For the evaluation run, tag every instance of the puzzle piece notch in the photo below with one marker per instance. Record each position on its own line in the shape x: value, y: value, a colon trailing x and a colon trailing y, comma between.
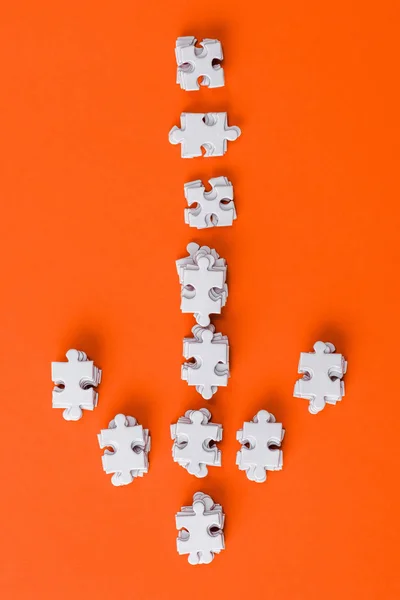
x: 203, y: 130
x: 192, y: 435
x: 202, y: 276
x: 322, y: 371
x: 196, y: 63
x: 211, y: 354
x: 75, y: 381
x: 130, y: 445
x: 260, y: 435
x: 214, y: 208
x: 195, y: 523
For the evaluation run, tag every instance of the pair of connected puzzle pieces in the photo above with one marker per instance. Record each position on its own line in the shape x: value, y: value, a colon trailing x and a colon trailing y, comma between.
x: 127, y: 447
x: 215, y: 208
x: 201, y: 133
x: 200, y: 527
x: 194, y: 442
x: 204, y: 291
x: 322, y: 371
x: 195, y: 439
x: 127, y: 444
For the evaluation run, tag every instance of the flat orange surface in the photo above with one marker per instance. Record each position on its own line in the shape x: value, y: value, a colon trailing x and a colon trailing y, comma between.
x: 91, y: 225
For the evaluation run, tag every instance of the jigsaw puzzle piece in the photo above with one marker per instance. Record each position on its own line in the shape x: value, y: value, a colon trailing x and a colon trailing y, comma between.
x: 209, y: 350
x: 202, y: 276
x: 130, y: 445
x: 75, y: 381
x: 198, y: 63
x: 203, y: 130
x: 198, y: 282
x: 195, y: 523
x: 192, y: 435
x: 322, y: 372
x: 261, y: 439
x: 214, y: 208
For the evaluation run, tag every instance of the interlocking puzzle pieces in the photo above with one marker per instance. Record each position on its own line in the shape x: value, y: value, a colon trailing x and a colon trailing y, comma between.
x: 213, y: 209
x: 258, y: 438
x: 201, y: 530
x: 203, y: 130
x: 322, y: 380
x: 202, y: 276
x: 210, y: 368
x: 196, y: 63
x: 193, y: 435
x: 75, y: 381
x: 130, y: 446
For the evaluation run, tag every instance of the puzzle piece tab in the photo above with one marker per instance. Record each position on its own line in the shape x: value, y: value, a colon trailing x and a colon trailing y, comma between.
x: 192, y: 435
x: 215, y: 208
x: 211, y: 367
x: 256, y: 456
x: 203, y: 130
x: 322, y: 380
x: 198, y: 63
x: 130, y: 445
x: 74, y: 382
x: 201, y: 525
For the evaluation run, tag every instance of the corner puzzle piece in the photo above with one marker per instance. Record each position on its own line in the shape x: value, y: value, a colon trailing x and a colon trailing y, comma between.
x: 202, y: 279
x: 194, y: 63
x: 203, y: 130
x: 192, y: 436
x: 211, y: 367
x: 323, y: 371
x: 196, y: 538
x: 74, y: 382
x: 215, y: 208
x: 260, y: 434
x: 130, y: 445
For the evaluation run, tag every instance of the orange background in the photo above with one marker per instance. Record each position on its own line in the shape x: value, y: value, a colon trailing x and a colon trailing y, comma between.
x: 91, y: 224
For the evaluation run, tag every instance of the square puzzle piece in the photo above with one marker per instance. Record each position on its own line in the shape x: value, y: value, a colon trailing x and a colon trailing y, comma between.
x: 198, y: 66
x: 210, y: 209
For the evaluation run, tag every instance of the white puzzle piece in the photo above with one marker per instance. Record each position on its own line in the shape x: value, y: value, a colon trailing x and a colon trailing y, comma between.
x: 201, y: 530
x: 192, y: 435
x: 74, y: 382
x: 256, y: 456
x: 203, y: 130
x: 211, y: 367
x: 322, y: 380
x: 202, y: 276
x: 130, y: 445
x: 212, y: 209
x: 198, y: 63
x: 200, y: 280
